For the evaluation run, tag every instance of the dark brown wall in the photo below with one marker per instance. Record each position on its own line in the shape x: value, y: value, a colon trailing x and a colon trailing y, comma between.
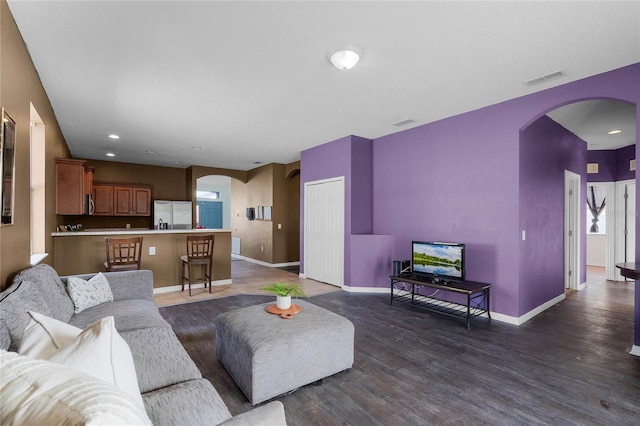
x: 20, y: 86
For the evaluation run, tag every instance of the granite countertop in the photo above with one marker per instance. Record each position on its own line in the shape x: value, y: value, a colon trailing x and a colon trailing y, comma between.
x: 133, y: 231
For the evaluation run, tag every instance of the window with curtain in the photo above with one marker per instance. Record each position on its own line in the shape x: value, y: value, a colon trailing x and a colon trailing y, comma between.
x: 596, y: 205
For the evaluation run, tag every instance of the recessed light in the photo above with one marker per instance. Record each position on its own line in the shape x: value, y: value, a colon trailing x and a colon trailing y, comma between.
x: 150, y: 151
x: 177, y: 162
x: 110, y: 154
x: 196, y: 148
x: 614, y: 131
x: 114, y: 136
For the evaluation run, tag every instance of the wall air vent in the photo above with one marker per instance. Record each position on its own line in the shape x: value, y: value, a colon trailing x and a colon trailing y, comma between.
x: 404, y: 122
x: 544, y: 78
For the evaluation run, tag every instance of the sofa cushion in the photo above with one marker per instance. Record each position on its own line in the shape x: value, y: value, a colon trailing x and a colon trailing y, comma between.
x: 88, y: 293
x: 51, y: 289
x: 40, y: 392
x: 5, y: 336
x: 15, y: 302
x: 194, y: 402
x: 129, y: 315
x: 160, y: 358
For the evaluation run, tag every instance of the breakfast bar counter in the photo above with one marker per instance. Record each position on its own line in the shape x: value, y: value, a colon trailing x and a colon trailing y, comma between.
x: 84, y: 252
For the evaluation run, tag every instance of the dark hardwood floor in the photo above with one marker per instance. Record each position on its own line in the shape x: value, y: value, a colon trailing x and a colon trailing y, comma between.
x: 569, y: 365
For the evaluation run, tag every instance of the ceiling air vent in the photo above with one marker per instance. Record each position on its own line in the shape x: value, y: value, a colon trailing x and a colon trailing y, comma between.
x: 544, y: 78
x: 404, y: 122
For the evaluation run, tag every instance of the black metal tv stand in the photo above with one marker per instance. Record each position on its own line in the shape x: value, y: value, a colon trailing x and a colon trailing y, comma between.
x: 406, y: 287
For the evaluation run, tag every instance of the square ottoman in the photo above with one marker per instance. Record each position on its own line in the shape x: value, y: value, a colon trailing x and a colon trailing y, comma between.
x: 267, y: 355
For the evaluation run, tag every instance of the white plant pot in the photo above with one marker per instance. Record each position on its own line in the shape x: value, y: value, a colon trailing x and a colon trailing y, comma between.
x: 283, y: 302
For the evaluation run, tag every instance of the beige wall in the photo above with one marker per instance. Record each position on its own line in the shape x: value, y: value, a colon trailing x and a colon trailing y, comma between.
x: 268, y: 185
x: 20, y: 86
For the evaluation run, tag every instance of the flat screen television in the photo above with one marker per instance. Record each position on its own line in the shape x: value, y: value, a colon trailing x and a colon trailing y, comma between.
x: 441, y: 261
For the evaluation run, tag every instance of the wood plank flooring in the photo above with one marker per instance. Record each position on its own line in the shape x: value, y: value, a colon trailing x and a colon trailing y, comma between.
x: 567, y: 366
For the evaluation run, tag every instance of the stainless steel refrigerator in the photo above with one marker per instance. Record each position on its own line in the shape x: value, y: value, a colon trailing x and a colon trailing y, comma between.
x: 172, y: 214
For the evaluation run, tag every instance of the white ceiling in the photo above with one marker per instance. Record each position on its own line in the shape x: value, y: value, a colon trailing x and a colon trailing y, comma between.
x: 250, y: 81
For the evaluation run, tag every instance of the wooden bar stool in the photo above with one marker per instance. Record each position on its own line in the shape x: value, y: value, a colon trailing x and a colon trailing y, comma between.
x: 199, y: 252
x: 123, y: 254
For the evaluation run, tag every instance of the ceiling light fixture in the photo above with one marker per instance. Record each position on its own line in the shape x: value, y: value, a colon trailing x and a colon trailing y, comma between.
x: 110, y: 154
x: 196, y: 148
x: 614, y: 132
x: 114, y: 136
x: 344, y: 59
x: 150, y: 151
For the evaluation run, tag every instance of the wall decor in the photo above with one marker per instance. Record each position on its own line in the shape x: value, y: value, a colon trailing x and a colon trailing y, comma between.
x: 7, y: 167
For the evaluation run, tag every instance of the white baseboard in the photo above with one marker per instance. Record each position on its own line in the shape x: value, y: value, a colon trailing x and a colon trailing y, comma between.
x: 178, y: 287
x: 635, y: 350
x: 532, y: 313
x: 582, y: 286
x: 270, y: 265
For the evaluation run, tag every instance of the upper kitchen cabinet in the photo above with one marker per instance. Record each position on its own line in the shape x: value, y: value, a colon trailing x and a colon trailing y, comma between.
x: 73, y: 185
x: 121, y: 200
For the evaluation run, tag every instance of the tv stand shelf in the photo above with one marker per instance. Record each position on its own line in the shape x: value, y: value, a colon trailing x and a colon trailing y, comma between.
x: 406, y: 287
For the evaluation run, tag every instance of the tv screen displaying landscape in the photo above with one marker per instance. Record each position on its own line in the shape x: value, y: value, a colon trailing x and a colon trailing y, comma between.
x: 439, y: 259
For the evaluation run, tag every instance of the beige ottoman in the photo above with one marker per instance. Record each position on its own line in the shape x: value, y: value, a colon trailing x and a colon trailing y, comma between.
x: 267, y: 355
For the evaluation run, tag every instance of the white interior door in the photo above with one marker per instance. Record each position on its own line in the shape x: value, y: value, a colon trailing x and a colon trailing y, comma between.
x: 324, y: 231
x: 571, y: 230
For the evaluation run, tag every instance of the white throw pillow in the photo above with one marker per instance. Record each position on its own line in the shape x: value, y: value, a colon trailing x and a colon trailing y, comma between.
x: 86, y: 294
x: 44, y: 336
x: 98, y: 350
x: 36, y: 392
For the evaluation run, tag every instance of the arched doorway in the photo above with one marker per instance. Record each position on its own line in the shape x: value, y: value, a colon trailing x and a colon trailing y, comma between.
x: 569, y: 137
x: 213, y: 202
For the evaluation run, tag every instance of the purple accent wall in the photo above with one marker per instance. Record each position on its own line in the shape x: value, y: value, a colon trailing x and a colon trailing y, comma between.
x: 458, y: 179
x: 613, y: 165
x: 546, y: 150
x: 350, y: 157
x: 623, y: 157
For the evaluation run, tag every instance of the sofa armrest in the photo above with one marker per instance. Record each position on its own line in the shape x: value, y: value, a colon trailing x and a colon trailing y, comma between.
x: 271, y: 414
x: 126, y: 284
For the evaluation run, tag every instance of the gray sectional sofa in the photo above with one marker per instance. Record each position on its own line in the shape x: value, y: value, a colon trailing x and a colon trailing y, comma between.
x: 173, y: 389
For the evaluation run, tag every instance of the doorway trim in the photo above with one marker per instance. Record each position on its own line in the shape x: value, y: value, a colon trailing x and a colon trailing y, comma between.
x: 610, y: 231
x: 619, y: 232
x: 572, y: 230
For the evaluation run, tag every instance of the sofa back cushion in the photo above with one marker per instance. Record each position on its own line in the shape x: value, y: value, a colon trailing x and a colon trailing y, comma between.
x: 15, y: 302
x: 51, y: 288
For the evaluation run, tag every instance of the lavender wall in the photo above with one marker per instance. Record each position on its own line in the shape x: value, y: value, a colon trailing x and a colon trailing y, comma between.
x: 458, y: 179
x: 613, y: 165
x: 546, y: 151
x: 350, y: 157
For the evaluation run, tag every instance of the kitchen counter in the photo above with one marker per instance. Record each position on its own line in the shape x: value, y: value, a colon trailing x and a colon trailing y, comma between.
x: 137, y: 231
x: 80, y: 252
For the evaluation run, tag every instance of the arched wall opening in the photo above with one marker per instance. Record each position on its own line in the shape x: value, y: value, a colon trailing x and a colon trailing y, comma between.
x: 546, y: 150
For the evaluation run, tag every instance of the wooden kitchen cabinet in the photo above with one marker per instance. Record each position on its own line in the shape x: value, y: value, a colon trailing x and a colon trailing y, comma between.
x: 103, y: 200
x: 73, y: 183
x: 122, y: 200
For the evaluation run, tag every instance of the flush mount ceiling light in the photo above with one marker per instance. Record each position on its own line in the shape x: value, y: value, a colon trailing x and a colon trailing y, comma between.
x: 114, y: 136
x: 614, y: 132
x: 344, y: 59
x: 110, y: 154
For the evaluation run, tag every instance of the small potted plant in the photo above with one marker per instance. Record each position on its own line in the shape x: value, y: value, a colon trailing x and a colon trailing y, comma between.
x: 283, y: 292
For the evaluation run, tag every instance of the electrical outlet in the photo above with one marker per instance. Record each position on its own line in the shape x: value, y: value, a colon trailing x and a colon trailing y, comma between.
x: 152, y: 251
